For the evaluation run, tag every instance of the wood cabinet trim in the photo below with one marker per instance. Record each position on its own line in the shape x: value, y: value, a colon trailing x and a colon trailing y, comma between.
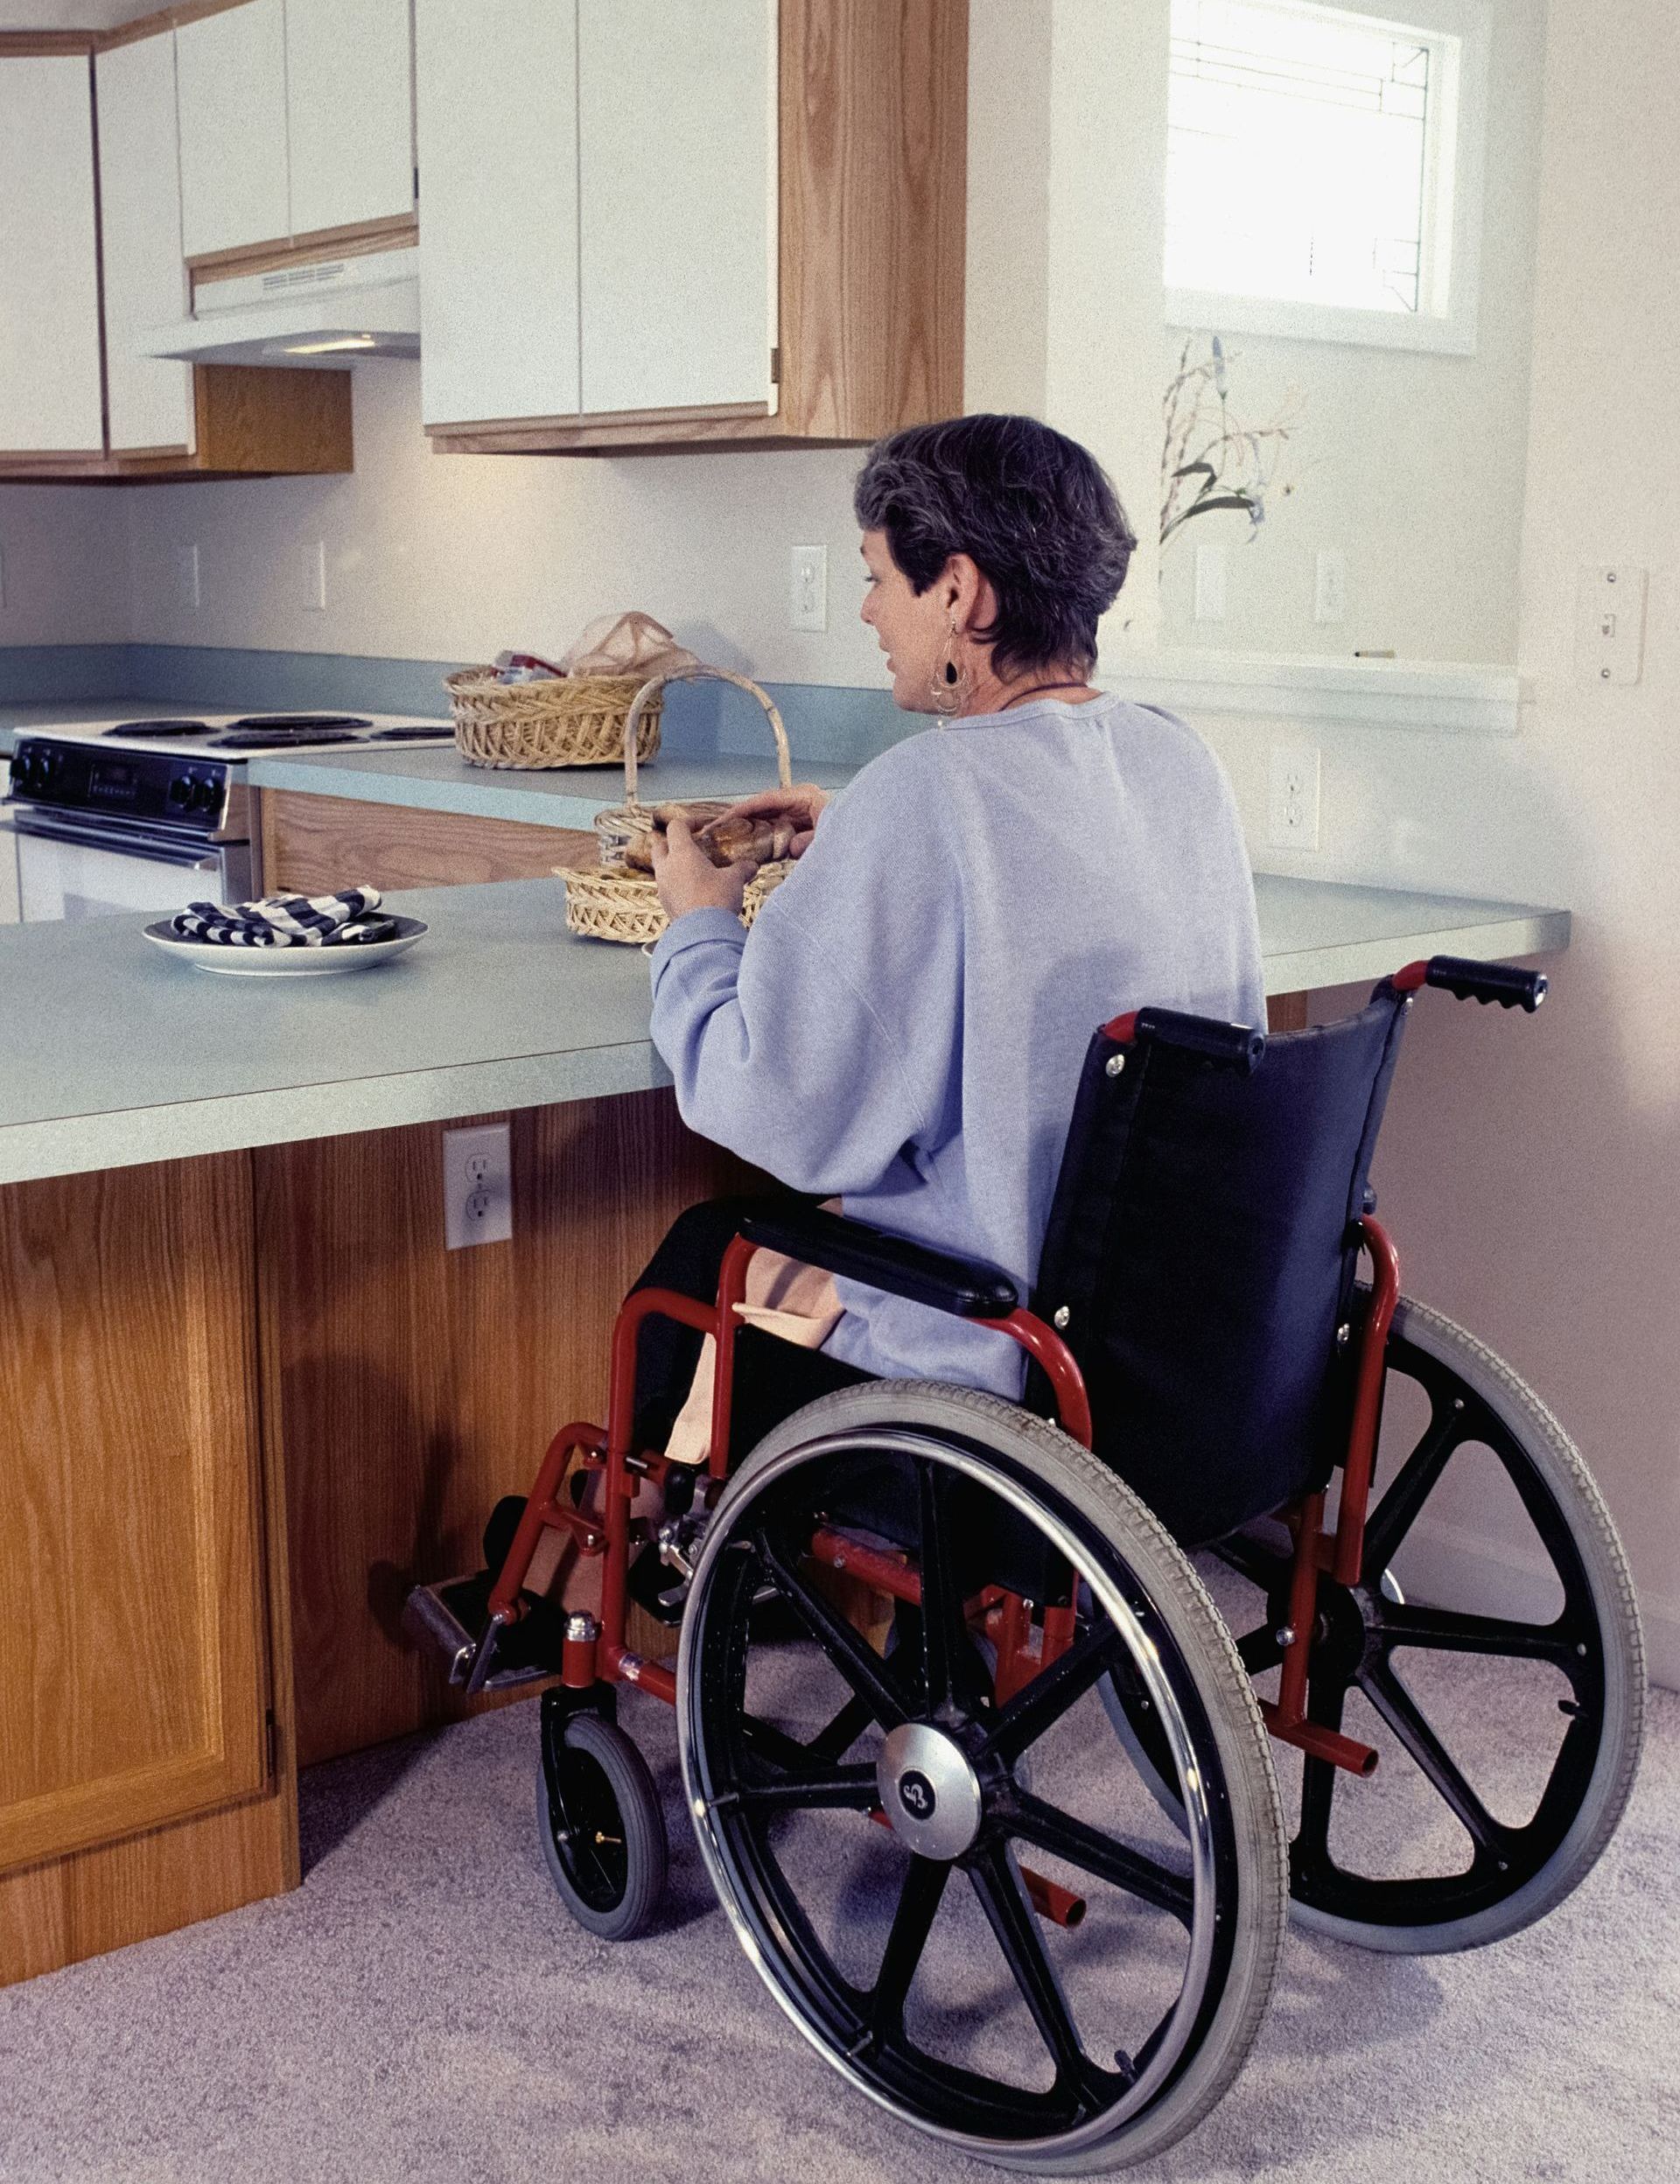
x: 360, y: 240
x: 39, y: 45
x: 161, y: 20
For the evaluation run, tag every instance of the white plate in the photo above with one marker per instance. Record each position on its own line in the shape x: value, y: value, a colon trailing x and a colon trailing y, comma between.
x: 285, y: 962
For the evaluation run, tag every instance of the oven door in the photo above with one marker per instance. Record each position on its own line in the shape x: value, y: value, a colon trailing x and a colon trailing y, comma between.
x: 69, y: 869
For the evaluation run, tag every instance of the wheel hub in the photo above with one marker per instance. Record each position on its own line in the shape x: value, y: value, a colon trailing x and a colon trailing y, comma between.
x: 929, y: 1792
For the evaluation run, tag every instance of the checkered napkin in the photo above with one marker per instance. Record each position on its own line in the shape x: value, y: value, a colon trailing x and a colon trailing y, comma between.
x: 339, y: 920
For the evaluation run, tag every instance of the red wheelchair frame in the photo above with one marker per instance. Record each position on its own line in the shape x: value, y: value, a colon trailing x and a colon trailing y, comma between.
x: 600, y: 1654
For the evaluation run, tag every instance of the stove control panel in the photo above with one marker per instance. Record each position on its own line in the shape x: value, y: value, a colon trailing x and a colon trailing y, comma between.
x: 127, y: 784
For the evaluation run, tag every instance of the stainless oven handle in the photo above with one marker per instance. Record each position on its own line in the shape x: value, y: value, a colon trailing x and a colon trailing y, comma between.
x: 184, y: 860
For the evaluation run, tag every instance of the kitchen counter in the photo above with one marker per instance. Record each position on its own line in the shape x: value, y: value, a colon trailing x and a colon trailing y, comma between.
x: 115, y: 1056
x: 437, y: 780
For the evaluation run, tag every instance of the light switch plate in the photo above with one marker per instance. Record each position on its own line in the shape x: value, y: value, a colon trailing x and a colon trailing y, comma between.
x: 3, y: 579
x: 1330, y: 589
x: 314, y: 574
x: 1610, y: 624
x: 187, y: 576
x: 808, y: 587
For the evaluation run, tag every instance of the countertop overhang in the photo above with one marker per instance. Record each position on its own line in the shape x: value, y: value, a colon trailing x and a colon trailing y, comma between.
x: 111, y: 1055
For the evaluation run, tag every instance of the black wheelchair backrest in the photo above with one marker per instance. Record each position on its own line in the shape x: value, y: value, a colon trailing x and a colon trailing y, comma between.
x: 1201, y: 1254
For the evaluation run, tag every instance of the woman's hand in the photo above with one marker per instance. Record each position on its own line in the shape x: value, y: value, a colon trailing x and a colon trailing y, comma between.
x: 802, y: 806
x: 688, y: 879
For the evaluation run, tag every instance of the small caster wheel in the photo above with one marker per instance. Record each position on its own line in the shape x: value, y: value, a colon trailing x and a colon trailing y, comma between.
x: 601, y: 1826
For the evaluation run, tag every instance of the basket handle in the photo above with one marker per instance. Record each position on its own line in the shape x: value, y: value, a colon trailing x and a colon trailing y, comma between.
x: 650, y: 689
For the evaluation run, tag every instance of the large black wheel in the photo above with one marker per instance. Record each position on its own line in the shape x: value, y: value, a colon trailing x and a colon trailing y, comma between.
x: 600, y: 1824
x: 1491, y: 1652
x: 1050, y: 1978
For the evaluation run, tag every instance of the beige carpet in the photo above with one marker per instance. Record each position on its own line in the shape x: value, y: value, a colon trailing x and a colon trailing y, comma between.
x: 422, y: 2010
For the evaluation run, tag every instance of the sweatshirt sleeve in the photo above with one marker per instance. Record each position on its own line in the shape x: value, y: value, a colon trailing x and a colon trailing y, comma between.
x: 819, y: 1045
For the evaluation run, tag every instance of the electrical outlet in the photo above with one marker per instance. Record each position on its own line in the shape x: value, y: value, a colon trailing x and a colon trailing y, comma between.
x: 1330, y: 594
x: 1210, y: 584
x: 1292, y: 804
x: 315, y: 577
x: 187, y: 574
x: 477, y: 1185
x: 808, y: 587
x: 1610, y: 624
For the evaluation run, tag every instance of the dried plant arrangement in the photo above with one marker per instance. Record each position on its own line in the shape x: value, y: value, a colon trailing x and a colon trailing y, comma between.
x: 1208, y: 460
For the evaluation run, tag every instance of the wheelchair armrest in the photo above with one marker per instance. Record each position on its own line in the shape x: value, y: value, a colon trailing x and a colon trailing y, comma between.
x: 1237, y: 1047
x: 861, y: 1254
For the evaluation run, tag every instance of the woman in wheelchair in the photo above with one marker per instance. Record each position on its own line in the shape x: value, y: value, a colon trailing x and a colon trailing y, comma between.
x: 981, y: 1775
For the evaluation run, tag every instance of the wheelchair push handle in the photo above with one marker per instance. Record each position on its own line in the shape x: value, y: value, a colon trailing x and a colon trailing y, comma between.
x: 1237, y: 1047
x: 1468, y: 981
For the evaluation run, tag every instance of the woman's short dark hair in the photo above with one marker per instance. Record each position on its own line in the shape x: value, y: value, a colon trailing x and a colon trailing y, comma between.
x: 1031, y: 508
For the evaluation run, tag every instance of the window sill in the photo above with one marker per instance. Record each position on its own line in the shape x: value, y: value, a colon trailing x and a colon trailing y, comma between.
x: 1404, y: 694
x: 1195, y: 309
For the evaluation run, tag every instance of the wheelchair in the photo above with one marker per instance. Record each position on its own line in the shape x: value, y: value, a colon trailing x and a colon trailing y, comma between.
x: 981, y: 1774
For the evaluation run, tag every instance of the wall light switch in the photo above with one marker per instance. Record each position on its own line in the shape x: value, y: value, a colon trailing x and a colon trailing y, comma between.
x: 315, y: 577
x: 1610, y: 624
x: 1210, y: 584
x: 1292, y: 799
x: 477, y: 1185
x: 1330, y: 593
x: 807, y: 588
x: 190, y: 590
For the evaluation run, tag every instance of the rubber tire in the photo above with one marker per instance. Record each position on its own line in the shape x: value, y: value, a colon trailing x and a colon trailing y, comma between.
x: 1558, y: 1463
x: 1223, y: 1689
x: 646, y: 1842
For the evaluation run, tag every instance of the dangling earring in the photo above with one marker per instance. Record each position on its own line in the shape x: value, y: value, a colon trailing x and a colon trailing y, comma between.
x: 951, y: 686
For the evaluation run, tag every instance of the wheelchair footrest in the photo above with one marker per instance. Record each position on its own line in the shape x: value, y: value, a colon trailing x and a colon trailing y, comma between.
x: 447, y: 1618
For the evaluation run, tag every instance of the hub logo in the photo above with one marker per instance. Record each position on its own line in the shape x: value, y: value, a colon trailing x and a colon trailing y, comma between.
x: 916, y: 1795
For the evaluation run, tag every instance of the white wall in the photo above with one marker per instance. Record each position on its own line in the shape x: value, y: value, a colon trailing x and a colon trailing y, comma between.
x: 65, y: 550
x: 1531, y: 1169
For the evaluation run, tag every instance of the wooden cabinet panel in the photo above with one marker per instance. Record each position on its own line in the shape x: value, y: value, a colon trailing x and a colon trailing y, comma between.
x: 496, y: 112
x: 416, y: 1385
x: 149, y: 399
x: 50, y: 388
x: 137, y: 1677
x: 677, y: 244
x: 231, y: 84
x: 349, y: 112
x: 313, y: 843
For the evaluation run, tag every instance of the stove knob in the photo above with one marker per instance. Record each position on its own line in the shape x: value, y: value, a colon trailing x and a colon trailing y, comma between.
x: 207, y: 793
x: 180, y: 790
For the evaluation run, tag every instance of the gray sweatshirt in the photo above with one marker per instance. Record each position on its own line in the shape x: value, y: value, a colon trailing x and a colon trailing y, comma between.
x: 904, y: 1025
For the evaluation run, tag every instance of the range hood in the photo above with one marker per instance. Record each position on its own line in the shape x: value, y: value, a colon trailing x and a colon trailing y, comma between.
x: 330, y: 311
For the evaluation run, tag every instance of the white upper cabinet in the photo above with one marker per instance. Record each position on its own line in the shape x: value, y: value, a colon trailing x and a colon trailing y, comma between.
x: 231, y: 71
x: 349, y: 112
x: 676, y: 171
x: 149, y: 400
x: 496, y: 111
x: 51, y: 398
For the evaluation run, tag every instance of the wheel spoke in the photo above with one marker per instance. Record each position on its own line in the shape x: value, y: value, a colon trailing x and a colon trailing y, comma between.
x: 1445, y: 1630
x: 1404, y: 1717
x: 1397, y: 1512
x: 862, y: 1668
x: 1052, y: 1692
x: 842, y: 1731
x: 919, y: 1899
x: 831, y: 1789
x: 1012, y: 1920
x: 1260, y: 1565
x: 1092, y: 1851
x: 945, y: 1648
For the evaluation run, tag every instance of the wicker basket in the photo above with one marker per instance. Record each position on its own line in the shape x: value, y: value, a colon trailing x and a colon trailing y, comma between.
x: 575, y: 720
x: 617, y: 903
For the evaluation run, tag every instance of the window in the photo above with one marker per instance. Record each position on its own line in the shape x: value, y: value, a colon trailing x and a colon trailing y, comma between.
x: 1324, y: 170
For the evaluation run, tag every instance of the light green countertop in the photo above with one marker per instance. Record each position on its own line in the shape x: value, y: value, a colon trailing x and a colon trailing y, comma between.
x: 434, y: 779
x: 111, y: 1055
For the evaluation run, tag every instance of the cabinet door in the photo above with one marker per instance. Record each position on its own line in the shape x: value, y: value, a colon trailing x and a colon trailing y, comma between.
x: 496, y: 107
x: 131, y: 1558
x: 231, y: 79
x: 51, y: 398
x: 349, y: 112
x: 676, y: 152
x: 149, y: 398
